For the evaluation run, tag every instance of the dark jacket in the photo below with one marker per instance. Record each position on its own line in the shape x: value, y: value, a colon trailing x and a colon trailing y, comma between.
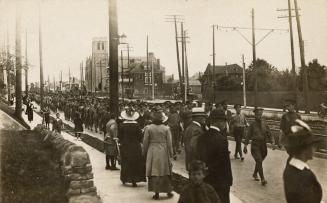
x: 191, y: 135
x: 203, y: 193
x: 78, y: 124
x: 301, y: 186
x: 213, y: 150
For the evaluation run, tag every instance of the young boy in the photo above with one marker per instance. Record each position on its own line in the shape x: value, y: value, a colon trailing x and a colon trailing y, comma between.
x: 196, y: 191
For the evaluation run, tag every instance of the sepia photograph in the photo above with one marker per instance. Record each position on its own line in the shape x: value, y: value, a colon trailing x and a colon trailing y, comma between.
x: 176, y: 101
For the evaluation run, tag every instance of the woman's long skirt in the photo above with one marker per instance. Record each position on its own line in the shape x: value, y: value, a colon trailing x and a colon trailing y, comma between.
x: 160, y: 184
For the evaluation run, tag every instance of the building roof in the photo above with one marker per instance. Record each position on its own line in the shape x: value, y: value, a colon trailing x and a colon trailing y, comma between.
x: 229, y: 69
x: 141, y: 67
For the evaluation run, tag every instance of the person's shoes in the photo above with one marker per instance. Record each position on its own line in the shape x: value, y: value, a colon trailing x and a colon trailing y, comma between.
x: 107, y: 167
x: 263, y: 182
x: 134, y: 185
x: 255, y: 177
x: 242, y: 158
x: 236, y: 157
x: 175, y: 157
x: 156, y: 196
x: 170, y: 195
x: 114, y: 168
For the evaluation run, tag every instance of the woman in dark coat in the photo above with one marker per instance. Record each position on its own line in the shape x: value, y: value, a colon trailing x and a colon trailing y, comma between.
x: 130, y: 138
x: 300, y: 183
x: 29, y: 111
x: 78, y: 125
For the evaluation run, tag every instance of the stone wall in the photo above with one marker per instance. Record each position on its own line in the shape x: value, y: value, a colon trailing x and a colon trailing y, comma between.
x: 75, y: 166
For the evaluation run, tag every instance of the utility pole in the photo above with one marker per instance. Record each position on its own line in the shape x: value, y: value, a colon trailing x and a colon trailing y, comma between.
x: 69, y: 85
x: 183, y: 65
x: 26, y: 65
x: 41, y: 58
x: 305, y: 74
x: 213, y: 79
x: 254, y: 62
x: 113, y: 58
x: 174, y: 20
x: 244, y: 84
x: 186, y: 69
x: 18, y: 89
x: 253, y: 45
x: 129, y: 71
x: 122, y: 73
x: 147, y: 65
x: 101, y: 83
x: 54, y: 84
x: 48, y: 84
x: 294, y: 82
x: 8, y: 67
x: 60, y: 81
x: 152, y: 78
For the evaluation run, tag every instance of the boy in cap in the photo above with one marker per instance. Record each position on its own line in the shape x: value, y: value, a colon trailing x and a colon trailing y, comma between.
x: 259, y: 133
x: 196, y: 191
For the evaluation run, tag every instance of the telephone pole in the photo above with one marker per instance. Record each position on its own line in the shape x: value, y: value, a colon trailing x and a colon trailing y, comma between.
x: 244, y: 84
x: 254, y: 62
x: 253, y: 45
x: 122, y: 73
x: 186, y: 69
x: 213, y: 80
x: 174, y: 19
x: 152, y: 78
x: 294, y: 82
x: 8, y: 67
x: 305, y: 74
x: 41, y: 58
x: 113, y: 58
x: 147, y: 64
x: 26, y: 65
x: 18, y: 89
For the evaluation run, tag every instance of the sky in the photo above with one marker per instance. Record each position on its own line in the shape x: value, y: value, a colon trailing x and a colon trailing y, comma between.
x: 68, y: 27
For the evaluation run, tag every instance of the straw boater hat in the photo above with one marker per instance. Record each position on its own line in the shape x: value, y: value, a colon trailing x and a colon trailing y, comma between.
x: 129, y: 115
x: 300, y: 136
x: 198, y: 111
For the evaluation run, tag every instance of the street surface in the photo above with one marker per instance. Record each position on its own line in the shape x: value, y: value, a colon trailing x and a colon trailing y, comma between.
x: 244, y: 188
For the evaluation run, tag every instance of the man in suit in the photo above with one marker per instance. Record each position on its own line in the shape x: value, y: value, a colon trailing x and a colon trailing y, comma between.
x: 213, y: 150
x: 193, y: 131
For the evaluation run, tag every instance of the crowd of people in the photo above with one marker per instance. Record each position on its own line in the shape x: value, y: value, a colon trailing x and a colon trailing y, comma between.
x: 147, y: 136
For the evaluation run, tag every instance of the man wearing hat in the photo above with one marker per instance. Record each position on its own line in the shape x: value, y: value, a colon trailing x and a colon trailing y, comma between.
x: 300, y: 183
x: 174, y: 124
x: 213, y: 150
x: 193, y: 131
x: 287, y: 121
x: 259, y: 133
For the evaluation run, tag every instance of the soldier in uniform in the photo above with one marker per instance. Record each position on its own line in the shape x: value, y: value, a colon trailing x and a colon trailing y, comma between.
x: 259, y: 133
x: 174, y: 124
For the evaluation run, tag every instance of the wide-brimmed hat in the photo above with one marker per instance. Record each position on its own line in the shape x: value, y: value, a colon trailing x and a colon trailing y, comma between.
x: 198, y: 111
x: 130, y: 117
x: 217, y: 114
x: 300, y: 135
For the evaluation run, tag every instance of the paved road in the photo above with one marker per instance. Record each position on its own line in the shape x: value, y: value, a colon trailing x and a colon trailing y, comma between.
x: 244, y: 188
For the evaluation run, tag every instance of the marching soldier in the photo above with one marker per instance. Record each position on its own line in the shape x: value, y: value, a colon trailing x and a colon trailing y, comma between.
x: 259, y: 133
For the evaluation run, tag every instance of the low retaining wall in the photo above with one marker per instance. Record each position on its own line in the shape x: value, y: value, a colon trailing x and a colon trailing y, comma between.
x: 75, y: 167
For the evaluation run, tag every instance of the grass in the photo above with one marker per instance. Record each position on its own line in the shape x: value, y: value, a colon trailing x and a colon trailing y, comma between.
x: 29, y: 170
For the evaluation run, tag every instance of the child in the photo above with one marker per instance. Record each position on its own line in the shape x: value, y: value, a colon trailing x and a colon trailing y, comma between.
x: 196, y: 191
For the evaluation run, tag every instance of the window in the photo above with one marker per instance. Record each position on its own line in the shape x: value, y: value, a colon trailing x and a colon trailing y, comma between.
x: 98, y: 45
x: 102, y: 45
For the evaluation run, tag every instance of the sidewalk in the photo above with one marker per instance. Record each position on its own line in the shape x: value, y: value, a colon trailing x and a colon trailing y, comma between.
x: 108, y: 183
x: 243, y: 189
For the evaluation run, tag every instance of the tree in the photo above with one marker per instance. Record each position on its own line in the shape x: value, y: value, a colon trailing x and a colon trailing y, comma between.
x: 316, y: 76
